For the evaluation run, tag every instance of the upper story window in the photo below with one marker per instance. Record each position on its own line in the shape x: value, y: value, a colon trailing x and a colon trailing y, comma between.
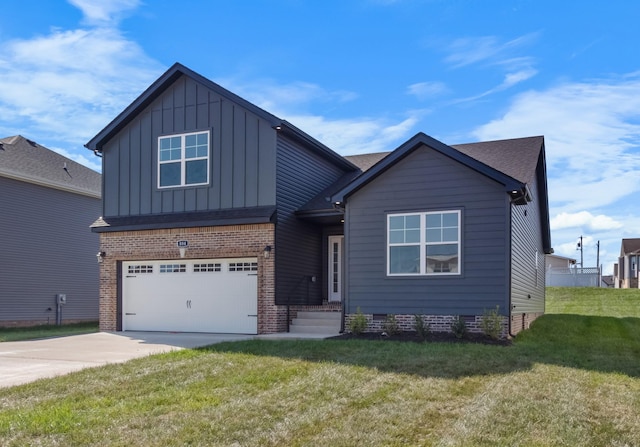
x: 423, y: 243
x: 183, y: 159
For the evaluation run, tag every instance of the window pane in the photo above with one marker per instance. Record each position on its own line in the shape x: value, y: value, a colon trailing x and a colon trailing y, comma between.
x: 434, y: 220
x: 404, y: 259
x: 190, y: 140
x: 434, y: 235
x: 196, y: 172
x: 450, y: 220
x: 203, y: 139
x: 169, y: 174
x: 442, y: 258
x: 412, y: 236
x: 412, y: 222
x: 396, y: 223
x: 396, y: 236
x: 450, y: 235
x: 190, y: 152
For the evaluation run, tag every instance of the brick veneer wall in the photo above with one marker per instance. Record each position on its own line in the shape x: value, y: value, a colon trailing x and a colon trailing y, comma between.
x: 437, y: 323
x: 204, y: 243
x: 520, y: 322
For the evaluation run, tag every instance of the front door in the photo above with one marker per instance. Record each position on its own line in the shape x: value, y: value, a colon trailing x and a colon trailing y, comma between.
x: 335, y: 267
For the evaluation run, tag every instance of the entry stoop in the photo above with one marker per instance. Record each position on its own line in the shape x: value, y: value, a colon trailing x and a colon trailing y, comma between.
x: 316, y: 323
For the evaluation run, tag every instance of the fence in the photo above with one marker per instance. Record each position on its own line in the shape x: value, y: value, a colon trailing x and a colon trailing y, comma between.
x: 573, y: 277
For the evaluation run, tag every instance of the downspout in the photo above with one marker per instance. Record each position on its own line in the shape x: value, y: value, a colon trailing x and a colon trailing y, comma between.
x: 510, y: 267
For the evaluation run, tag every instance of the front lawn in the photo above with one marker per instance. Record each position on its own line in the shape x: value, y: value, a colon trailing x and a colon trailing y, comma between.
x: 46, y: 331
x: 569, y: 381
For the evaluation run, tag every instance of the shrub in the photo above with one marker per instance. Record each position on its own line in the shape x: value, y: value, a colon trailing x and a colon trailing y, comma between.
x: 390, y: 325
x: 491, y: 323
x: 358, y: 323
x: 422, y: 328
x: 459, y: 327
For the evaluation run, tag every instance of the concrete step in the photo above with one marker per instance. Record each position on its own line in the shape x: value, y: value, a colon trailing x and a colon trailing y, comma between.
x: 314, y: 329
x: 315, y: 322
x: 320, y: 315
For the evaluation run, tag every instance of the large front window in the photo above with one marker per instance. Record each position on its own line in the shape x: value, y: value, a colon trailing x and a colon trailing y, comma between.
x: 423, y: 243
x: 183, y: 160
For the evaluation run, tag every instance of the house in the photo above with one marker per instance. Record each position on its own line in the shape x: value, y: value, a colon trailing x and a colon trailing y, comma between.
x: 48, y: 202
x: 556, y: 262
x: 608, y: 281
x: 626, y: 270
x: 221, y: 217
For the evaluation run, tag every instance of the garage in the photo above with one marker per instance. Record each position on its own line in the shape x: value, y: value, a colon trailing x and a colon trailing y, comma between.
x: 196, y: 295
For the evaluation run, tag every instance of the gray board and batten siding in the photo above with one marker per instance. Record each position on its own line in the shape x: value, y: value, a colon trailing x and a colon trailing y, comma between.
x: 242, y: 156
x: 258, y: 164
x: 301, y: 173
x: 426, y: 180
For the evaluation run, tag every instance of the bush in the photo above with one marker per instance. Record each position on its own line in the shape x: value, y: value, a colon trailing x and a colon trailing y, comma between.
x: 459, y: 327
x: 358, y: 323
x: 491, y: 323
x: 390, y: 325
x: 422, y: 328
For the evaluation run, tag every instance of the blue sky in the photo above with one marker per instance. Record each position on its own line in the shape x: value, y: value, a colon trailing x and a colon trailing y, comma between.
x: 361, y: 76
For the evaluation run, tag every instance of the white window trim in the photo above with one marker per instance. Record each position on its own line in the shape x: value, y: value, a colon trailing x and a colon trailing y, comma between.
x: 423, y: 244
x: 183, y: 160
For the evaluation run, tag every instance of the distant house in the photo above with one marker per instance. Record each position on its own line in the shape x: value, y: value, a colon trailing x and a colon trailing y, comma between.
x: 626, y: 270
x: 558, y: 262
x: 608, y: 281
x: 221, y: 217
x: 47, y: 204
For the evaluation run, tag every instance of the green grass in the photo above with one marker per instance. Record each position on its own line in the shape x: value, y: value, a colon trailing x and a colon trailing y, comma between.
x: 569, y: 380
x: 46, y: 331
x: 599, y: 302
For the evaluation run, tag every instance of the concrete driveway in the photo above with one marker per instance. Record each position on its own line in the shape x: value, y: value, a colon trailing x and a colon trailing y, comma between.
x: 27, y: 361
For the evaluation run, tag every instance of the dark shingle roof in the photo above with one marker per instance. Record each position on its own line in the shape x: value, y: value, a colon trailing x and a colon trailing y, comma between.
x: 366, y: 161
x: 518, y: 157
x: 630, y: 246
x: 26, y: 160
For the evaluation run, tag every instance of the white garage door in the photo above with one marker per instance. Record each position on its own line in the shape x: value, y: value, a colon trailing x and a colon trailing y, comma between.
x: 204, y: 295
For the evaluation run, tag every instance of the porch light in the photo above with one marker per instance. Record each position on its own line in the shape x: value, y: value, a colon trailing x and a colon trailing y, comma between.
x: 267, y: 251
x: 100, y: 256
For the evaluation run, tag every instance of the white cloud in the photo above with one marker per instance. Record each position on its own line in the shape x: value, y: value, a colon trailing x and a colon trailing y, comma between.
x: 584, y: 219
x: 104, y: 12
x: 592, y: 138
x: 359, y: 135
x: 425, y: 90
x: 61, y: 88
x: 346, y: 136
x: 487, y: 49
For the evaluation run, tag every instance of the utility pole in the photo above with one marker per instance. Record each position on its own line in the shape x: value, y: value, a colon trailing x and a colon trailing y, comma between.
x: 598, y: 264
x: 581, y: 253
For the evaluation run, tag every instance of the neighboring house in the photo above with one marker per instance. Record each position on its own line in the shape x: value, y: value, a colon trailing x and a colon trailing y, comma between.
x: 48, y: 203
x: 220, y: 217
x: 608, y: 281
x: 564, y: 272
x: 626, y: 270
x: 559, y: 262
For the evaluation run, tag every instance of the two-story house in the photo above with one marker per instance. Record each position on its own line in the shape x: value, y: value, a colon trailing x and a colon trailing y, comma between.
x: 221, y: 217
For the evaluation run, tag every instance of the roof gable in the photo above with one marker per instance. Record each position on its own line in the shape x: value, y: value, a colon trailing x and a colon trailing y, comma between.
x: 155, y: 90
x: 25, y: 160
x: 518, y: 157
x: 630, y: 246
x: 421, y: 140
